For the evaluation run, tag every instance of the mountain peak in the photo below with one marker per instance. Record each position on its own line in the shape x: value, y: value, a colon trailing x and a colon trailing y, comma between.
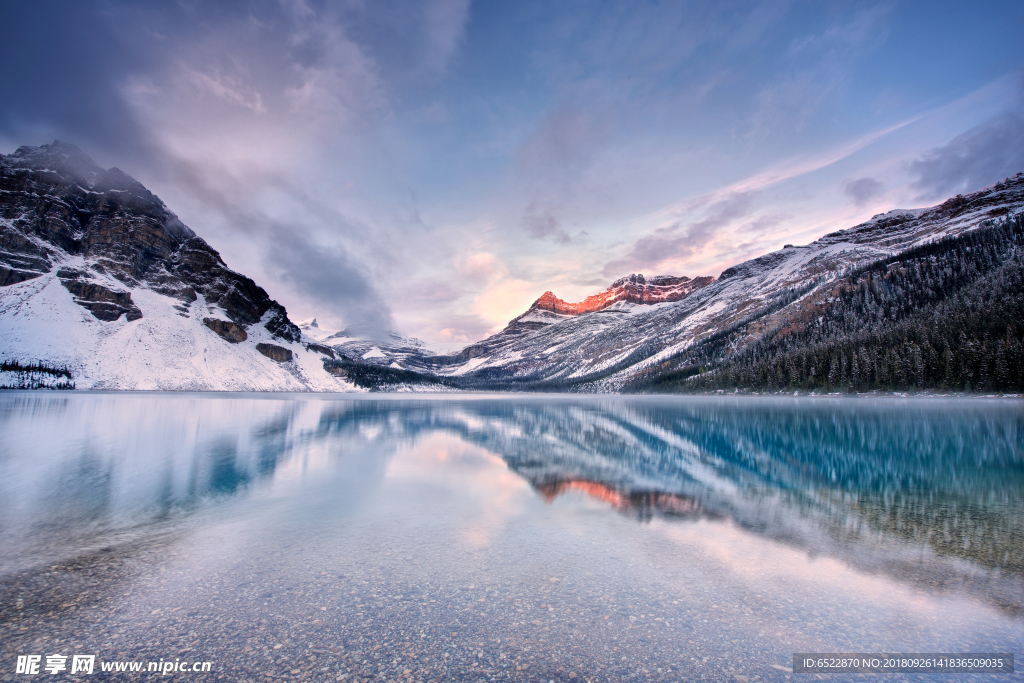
x: 63, y: 158
x: 101, y: 233
x: 72, y: 167
x: 635, y: 289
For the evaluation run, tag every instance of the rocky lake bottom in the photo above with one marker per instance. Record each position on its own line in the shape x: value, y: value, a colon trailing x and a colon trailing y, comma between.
x: 496, y: 538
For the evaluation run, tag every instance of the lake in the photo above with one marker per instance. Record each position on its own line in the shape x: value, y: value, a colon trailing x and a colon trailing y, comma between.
x: 504, y: 538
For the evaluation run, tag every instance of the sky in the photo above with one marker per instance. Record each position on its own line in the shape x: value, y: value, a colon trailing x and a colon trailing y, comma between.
x: 432, y: 167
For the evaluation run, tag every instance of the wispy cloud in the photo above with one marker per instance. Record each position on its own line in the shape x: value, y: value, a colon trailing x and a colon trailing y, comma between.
x: 328, y: 276
x: 819, y: 67
x: 782, y: 171
x: 333, y: 80
x: 229, y: 89
x: 863, y: 190
x: 501, y: 302
x: 688, y: 229
x: 310, y: 264
x: 261, y: 116
x: 979, y: 157
x: 731, y: 219
x: 444, y: 27
x: 795, y: 167
x: 480, y: 267
x: 541, y: 223
x: 563, y: 143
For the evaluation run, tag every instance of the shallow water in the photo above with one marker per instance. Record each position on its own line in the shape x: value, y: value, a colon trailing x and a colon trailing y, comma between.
x: 507, y: 538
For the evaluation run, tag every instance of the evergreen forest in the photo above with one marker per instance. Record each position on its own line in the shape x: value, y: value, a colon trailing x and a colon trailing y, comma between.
x: 948, y: 315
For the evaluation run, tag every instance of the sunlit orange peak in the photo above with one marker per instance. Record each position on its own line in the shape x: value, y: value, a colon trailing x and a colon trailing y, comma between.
x: 635, y: 289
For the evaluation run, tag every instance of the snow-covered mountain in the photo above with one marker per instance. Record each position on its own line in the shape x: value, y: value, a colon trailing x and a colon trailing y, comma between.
x: 395, y: 351
x: 99, y: 277
x: 588, y: 317
x: 358, y: 345
x: 101, y: 285
x: 607, y: 341
x: 311, y: 330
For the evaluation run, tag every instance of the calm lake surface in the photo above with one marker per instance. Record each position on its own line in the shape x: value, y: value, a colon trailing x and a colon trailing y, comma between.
x: 522, y: 538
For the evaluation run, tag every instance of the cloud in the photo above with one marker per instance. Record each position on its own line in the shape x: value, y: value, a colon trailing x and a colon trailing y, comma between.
x: 329, y: 277
x: 542, y: 223
x: 228, y: 89
x: 780, y: 172
x: 505, y: 300
x: 553, y: 163
x: 682, y: 239
x: 975, y: 159
x: 863, y: 190
x: 454, y: 335
x: 434, y: 114
x: 722, y: 213
x: 819, y: 70
x: 246, y: 116
x: 333, y: 79
x: 305, y: 260
x: 467, y: 328
x: 64, y: 64
x: 444, y: 27
x: 564, y: 143
x: 480, y: 267
x: 410, y: 41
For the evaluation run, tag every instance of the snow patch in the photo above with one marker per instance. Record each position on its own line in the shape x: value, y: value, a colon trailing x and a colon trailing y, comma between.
x: 163, y: 350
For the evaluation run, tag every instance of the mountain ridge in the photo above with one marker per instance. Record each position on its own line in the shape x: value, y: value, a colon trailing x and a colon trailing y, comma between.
x: 102, y: 283
x: 100, y: 277
x: 635, y: 289
x: 607, y: 350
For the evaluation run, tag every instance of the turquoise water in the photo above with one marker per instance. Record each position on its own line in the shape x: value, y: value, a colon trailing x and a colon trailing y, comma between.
x: 508, y: 537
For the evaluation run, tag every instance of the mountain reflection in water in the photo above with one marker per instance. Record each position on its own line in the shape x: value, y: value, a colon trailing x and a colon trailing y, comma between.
x: 921, y: 490
x: 643, y: 505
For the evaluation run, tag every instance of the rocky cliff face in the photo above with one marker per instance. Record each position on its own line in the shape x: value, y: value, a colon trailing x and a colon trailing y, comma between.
x: 57, y: 204
x: 99, y: 276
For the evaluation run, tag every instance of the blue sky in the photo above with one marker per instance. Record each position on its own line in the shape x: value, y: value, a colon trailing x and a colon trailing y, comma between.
x: 435, y: 166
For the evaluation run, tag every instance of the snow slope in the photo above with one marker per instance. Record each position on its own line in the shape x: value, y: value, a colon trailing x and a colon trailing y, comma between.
x: 163, y: 350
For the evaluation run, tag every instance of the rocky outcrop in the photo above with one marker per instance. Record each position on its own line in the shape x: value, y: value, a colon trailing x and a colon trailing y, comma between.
x: 55, y: 203
x: 228, y: 331
x: 104, y: 303
x: 274, y: 352
x: 320, y: 348
x: 17, y: 267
